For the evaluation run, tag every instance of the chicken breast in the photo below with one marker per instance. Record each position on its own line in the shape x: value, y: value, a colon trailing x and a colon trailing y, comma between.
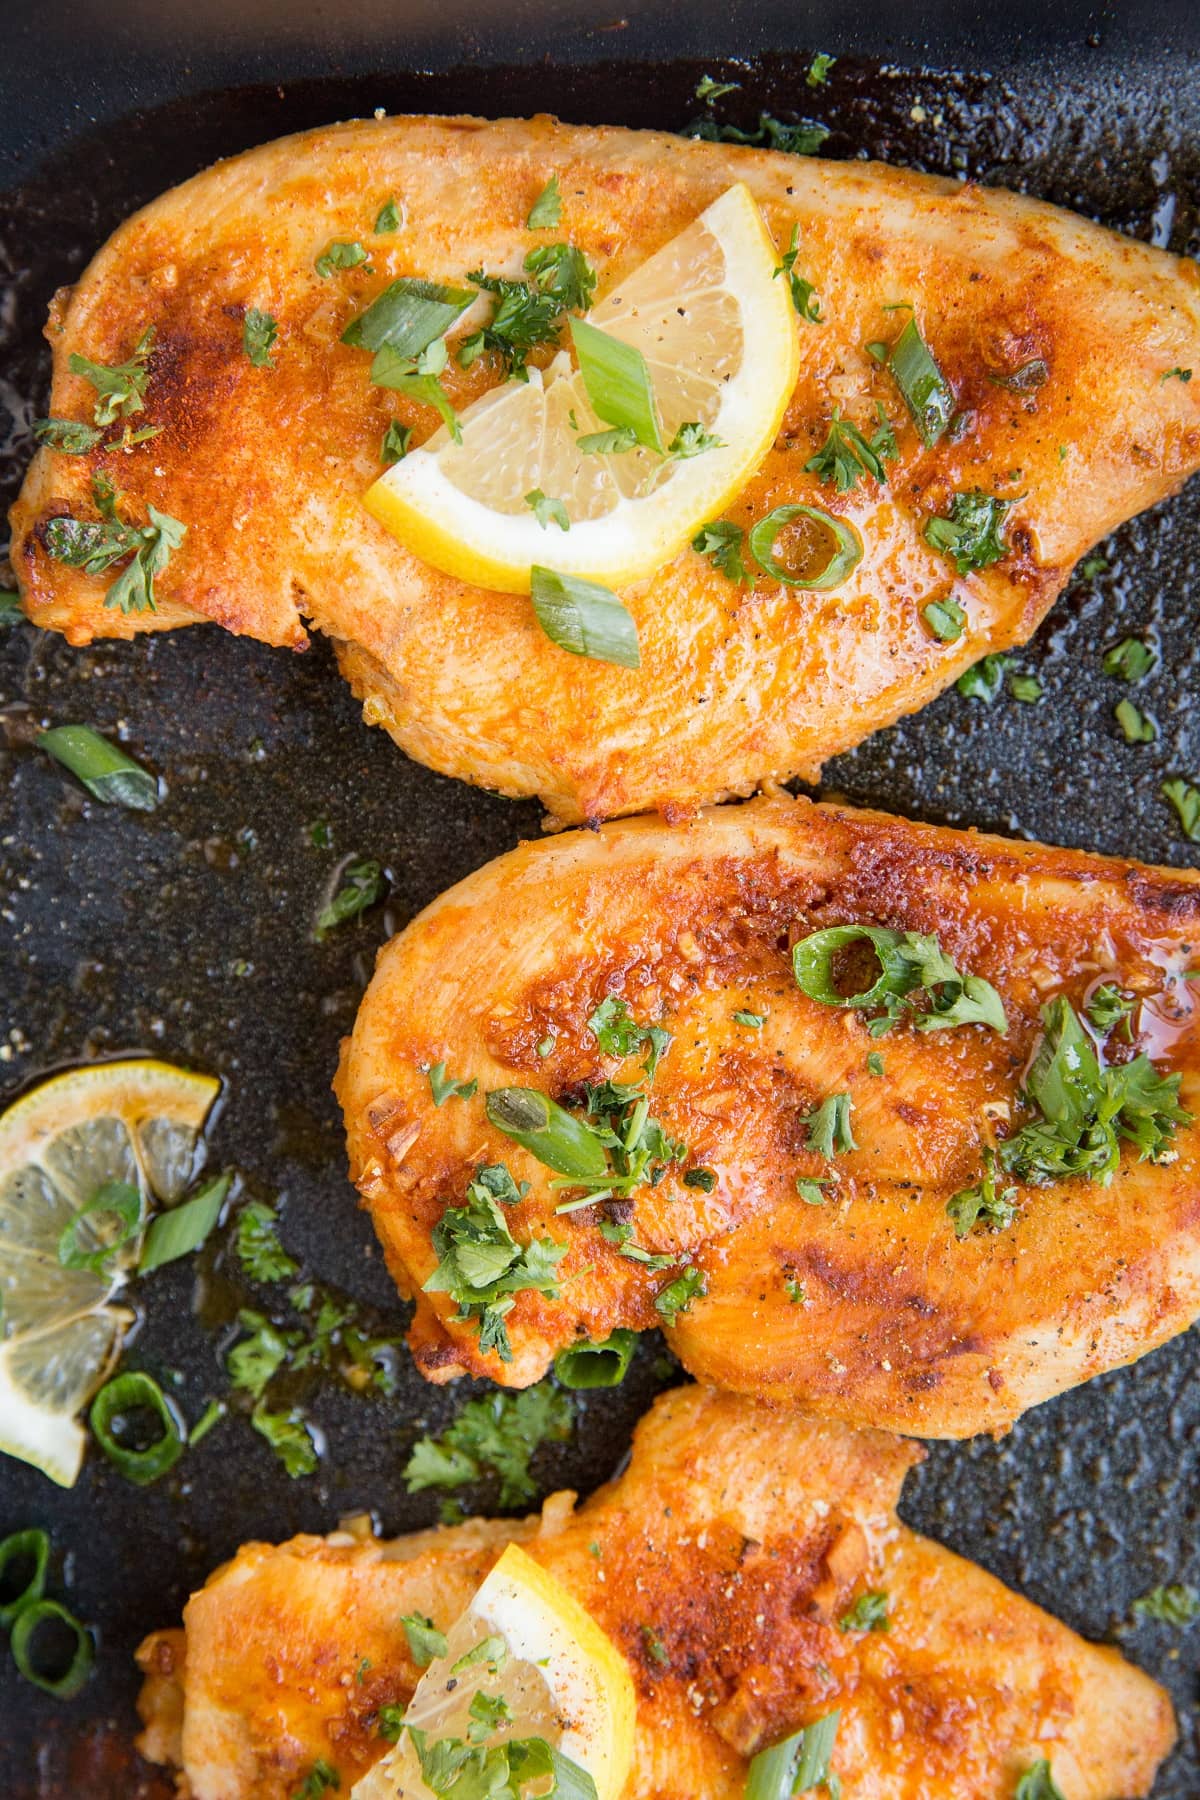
x: 721, y: 1564
x: 815, y: 1269
x: 1058, y: 338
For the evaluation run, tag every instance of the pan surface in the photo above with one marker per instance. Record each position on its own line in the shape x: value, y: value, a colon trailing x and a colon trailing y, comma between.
x: 188, y: 932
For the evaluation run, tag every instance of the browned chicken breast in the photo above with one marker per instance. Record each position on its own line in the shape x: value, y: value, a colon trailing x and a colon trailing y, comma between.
x: 724, y: 1564
x: 882, y: 1118
x: 1063, y: 346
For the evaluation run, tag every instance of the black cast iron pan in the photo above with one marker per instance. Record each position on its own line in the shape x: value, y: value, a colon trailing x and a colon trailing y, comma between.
x: 188, y: 932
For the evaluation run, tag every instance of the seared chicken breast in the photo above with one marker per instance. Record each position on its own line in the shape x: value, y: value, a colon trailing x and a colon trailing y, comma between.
x: 922, y: 1211
x: 723, y: 1563
x: 1064, y: 346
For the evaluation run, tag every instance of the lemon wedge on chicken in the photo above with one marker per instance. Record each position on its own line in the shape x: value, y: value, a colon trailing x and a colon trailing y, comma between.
x: 529, y: 1691
x: 718, y: 334
x: 135, y: 1125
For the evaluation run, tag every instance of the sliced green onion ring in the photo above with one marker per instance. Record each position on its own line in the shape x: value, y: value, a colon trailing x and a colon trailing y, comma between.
x: 120, y: 1200
x: 844, y: 556
x: 600, y: 1365
x: 925, y: 390
x: 28, y: 1623
x: 104, y: 769
x: 183, y: 1229
x: 813, y: 958
x: 24, y: 1548
x: 795, y: 1766
x: 129, y: 1393
x: 555, y: 1136
x: 618, y: 383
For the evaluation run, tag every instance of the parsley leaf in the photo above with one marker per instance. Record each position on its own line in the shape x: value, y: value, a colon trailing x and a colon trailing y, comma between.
x: 809, y: 1189
x: 498, y: 1434
x: 388, y: 218
x: 693, y: 440
x: 289, y: 1437
x: 70, y: 436
x: 259, y: 331
x: 908, y: 965
x: 95, y: 545
x: 971, y: 536
x: 564, y: 274
x: 339, y: 255
x: 613, y: 442
x: 547, y: 512
x: 678, y: 1295
x: 1176, y: 1604
x: 254, y: 1360
x: 709, y: 90
x: 1175, y: 374
x: 444, y: 1087
x: 523, y: 318
x: 120, y: 387
x: 417, y: 378
x: 389, y: 1723
x: 1110, y: 1006
x: 397, y: 442
x: 945, y: 619
x: 259, y: 1250
x: 481, y: 1266
x: 869, y: 1613
x: 1186, y: 800
x: 705, y: 1180
x: 984, y: 679
x: 362, y: 885
x: 804, y: 139
x: 425, y: 1641
x: 1026, y: 688
x: 619, y: 1034
x: 982, y: 1204
x: 546, y: 212
x: 319, y: 1779
x: 829, y: 1132
x: 751, y: 1020
x: 1138, y: 726
x: 846, y: 454
x: 1038, y: 1784
x: 818, y: 73
x: 721, y: 541
x: 656, y: 1650
x: 804, y: 295
x: 1131, y: 660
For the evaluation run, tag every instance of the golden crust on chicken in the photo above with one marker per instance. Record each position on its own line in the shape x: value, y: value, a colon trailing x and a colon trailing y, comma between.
x: 1054, y: 334
x: 864, y: 1213
x: 722, y: 1564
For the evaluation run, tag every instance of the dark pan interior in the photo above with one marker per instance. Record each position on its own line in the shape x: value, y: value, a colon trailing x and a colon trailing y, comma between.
x: 188, y: 933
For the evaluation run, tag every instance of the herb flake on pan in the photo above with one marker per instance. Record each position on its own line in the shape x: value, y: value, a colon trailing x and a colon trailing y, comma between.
x: 1025, y: 687
x: 259, y: 1250
x: 290, y: 1437
x: 709, y: 90
x: 1137, y: 726
x: 362, y: 884
x: 1177, y: 1603
x: 1132, y: 659
x: 984, y: 680
x: 499, y: 1435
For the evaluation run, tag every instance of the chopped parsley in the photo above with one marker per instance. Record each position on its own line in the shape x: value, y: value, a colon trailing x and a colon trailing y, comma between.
x: 709, y: 90
x: 1026, y: 688
x: 363, y: 884
x: 803, y: 139
x: 619, y: 1034
x: 388, y: 218
x: 1025, y: 380
x: 491, y: 1649
x: 546, y: 511
x: 95, y: 545
x: 614, y: 442
x: 983, y: 1204
x: 656, y: 1650
x: 1110, y: 1006
x: 797, y: 1293
x: 1185, y: 798
x: 971, y: 535
x: 339, y: 255
x: 909, y: 966
x: 1086, y: 1109
x: 120, y: 387
x: 290, y: 1438
x: 418, y: 378
x: 320, y: 1778
x: 498, y: 1434
x: 984, y: 679
x: 678, y: 1295
x: 705, y: 1180
x: 693, y: 440
x: 70, y: 436
x: 425, y: 1641
x: 721, y: 541
x: 874, y: 1063
x: 620, y: 1234
x: 1131, y: 660
x: 810, y: 1188
x: 1176, y: 1604
x: 389, y: 1723
x: 846, y: 454
x: 255, y: 1360
x: 818, y: 73
x: 529, y: 313
x: 488, y: 1713
x: 829, y: 1131
x: 1137, y: 726
x: 945, y: 619
x: 869, y: 1613
x: 259, y: 1250
x: 445, y: 1087
x: 259, y: 331
x: 751, y: 1020
x: 546, y: 212
x: 804, y: 294
x: 1038, y: 1783
x: 482, y: 1266
x: 564, y: 273
x: 397, y: 442
x: 1175, y: 374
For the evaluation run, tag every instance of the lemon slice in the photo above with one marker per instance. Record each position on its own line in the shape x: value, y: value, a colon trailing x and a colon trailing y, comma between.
x: 719, y: 336
x: 135, y: 1122
x: 542, y: 1665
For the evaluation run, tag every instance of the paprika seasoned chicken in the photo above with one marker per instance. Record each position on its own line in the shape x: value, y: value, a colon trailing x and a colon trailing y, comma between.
x: 986, y: 386
x: 736, y: 1565
x: 889, y: 1120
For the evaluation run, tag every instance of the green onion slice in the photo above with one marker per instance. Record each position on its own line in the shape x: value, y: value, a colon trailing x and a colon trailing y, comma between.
x: 24, y: 1558
x: 178, y: 1232
x: 29, y: 1621
x: 618, y: 383
x: 105, y: 771
x: 829, y: 546
x: 408, y: 315
x: 555, y: 1136
x: 926, y: 392
x: 584, y: 618
x: 599, y: 1365
x: 795, y: 1766
x: 813, y: 960
x: 136, y: 1392
x: 119, y: 1201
